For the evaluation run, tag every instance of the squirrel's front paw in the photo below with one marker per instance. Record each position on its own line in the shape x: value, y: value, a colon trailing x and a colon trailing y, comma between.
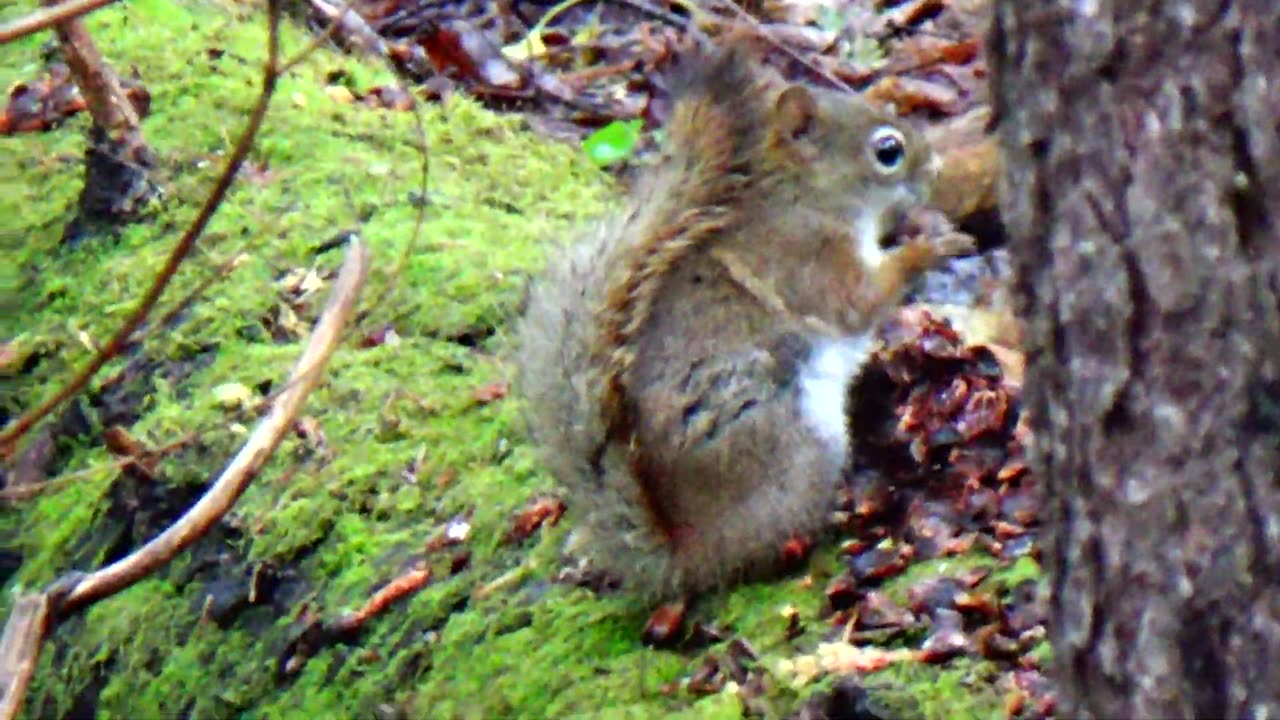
x: 954, y: 244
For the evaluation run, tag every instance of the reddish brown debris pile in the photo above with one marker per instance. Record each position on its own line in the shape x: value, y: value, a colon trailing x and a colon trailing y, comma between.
x: 932, y: 409
x: 46, y: 102
x: 940, y: 446
x: 939, y: 470
x: 577, y: 67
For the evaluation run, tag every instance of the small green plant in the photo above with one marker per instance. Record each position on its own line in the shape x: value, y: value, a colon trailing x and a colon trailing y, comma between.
x: 613, y: 143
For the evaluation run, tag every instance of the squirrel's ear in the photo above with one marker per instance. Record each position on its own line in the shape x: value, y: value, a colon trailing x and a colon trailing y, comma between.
x: 794, y: 112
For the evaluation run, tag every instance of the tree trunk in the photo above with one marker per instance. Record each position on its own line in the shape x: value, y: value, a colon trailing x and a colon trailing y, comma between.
x: 1142, y: 198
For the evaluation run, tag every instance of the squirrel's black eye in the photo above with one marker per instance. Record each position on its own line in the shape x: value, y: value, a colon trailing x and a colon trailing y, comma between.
x: 888, y: 149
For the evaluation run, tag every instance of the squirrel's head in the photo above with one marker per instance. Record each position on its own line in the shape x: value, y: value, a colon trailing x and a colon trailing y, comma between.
x: 850, y: 158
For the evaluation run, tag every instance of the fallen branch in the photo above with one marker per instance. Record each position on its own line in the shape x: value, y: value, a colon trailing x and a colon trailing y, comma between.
x: 246, y: 464
x: 48, y: 17
x: 34, y: 614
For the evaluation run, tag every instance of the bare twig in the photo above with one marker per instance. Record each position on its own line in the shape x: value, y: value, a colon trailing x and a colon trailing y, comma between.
x: 357, y: 30
x: 17, y: 493
x: 315, y: 43
x: 34, y: 614
x: 246, y: 464
x: 411, y: 249
x: 755, y: 24
x: 48, y: 17
x: 20, y: 426
x: 105, y: 99
x: 220, y: 273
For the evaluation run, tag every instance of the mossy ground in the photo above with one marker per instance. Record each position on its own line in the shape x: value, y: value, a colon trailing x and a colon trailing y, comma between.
x: 333, y: 525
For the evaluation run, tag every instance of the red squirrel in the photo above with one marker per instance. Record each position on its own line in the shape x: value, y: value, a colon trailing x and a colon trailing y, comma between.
x: 684, y: 365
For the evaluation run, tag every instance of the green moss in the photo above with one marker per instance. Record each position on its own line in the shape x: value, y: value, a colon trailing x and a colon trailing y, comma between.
x: 963, y: 689
x: 341, y: 515
x: 1021, y: 570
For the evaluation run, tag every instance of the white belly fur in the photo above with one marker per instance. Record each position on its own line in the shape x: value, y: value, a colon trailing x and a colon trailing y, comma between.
x: 824, y: 386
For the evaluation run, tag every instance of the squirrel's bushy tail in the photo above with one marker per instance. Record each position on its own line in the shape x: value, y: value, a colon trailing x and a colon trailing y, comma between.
x: 554, y: 346
x: 721, y: 99
x: 560, y: 386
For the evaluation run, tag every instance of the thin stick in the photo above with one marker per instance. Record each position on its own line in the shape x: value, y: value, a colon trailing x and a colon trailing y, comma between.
x: 764, y: 33
x: 270, y: 74
x: 221, y: 272
x: 249, y: 461
x: 26, y: 492
x: 110, y: 109
x: 372, y: 44
x: 315, y: 43
x: 48, y: 17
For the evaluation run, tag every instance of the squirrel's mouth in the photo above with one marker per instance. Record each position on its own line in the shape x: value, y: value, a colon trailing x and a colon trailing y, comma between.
x: 906, y: 216
x: 880, y: 219
x: 901, y: 224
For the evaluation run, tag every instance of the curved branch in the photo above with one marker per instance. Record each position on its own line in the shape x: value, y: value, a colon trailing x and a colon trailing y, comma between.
x: 248, y: 462
x: 48, y: 17
x: 20, y: 650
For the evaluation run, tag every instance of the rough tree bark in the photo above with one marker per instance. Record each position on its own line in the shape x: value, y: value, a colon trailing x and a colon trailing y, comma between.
x: 1142, y: 199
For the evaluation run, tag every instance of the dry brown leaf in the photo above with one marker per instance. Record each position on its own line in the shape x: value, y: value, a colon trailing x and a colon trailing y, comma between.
x: 486, y: 394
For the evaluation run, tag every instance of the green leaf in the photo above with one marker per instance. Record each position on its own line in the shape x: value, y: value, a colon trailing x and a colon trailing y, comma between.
x: 614, y: 142
x: 529, y: 47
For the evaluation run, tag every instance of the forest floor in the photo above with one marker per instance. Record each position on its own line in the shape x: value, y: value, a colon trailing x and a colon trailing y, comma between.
x: 410, y: 459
